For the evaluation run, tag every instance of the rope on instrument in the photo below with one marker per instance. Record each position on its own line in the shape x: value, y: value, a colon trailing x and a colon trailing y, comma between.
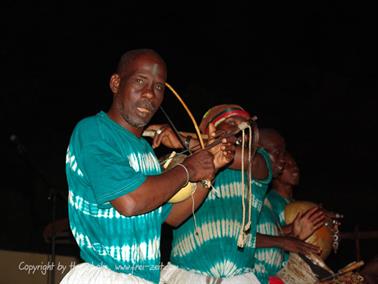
x: 242, y: 235
x: 242, y: 238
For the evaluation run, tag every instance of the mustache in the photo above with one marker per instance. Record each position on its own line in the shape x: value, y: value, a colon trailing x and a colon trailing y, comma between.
x: 147, y: 105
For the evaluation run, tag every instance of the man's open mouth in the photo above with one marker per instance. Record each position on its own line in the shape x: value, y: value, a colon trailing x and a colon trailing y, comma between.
x: 143, y: 110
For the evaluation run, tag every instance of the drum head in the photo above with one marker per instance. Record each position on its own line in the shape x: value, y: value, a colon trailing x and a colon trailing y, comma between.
x: 323, y: 237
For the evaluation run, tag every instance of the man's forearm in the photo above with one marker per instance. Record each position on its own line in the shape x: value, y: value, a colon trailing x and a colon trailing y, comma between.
x: 288, y: 230
x: 155, y: 191
x: 266, y: 241
x: 182, y: 210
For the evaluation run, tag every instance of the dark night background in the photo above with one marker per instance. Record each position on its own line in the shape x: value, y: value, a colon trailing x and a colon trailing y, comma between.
x: 308, y: 70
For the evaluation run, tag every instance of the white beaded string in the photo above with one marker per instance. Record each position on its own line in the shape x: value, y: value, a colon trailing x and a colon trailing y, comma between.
x: 248, y: 225
x: 241, y: 237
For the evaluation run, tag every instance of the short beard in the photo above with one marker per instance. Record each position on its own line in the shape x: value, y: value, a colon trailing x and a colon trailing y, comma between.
x: 126, y: 118
x: 133, y: 123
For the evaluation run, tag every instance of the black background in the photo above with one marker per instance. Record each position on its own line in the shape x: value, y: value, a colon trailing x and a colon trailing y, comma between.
x: 307, y: 70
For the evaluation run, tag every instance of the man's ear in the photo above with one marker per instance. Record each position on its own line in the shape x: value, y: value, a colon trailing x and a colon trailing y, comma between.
x: 114, y: 82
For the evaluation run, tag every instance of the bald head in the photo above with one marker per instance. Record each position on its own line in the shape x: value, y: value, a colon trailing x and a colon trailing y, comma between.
x: 129, y: 58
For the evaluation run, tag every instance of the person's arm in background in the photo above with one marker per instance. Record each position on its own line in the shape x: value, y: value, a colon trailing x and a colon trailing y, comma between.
x: 305, y: 224
x: 286, y: 243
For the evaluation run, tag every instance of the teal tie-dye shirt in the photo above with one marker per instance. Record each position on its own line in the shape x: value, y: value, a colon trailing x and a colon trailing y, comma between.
x: 268, y: 260
x: 105, y: 161
x: 214, y: 251
x: 278, y: 204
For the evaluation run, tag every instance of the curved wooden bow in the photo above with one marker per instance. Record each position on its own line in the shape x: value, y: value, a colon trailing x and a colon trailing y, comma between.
x: 189, y: 113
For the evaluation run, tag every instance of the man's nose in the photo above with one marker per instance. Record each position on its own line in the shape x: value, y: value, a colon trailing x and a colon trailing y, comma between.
x: 148, y: 92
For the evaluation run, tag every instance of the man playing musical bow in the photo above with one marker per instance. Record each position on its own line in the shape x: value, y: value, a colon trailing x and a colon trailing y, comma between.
x: 117, y: 193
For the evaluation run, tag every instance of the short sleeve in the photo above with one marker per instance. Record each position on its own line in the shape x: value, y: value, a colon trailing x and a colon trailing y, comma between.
x: 166, y: 209
x: 109, y: 174
x: 268, y: 163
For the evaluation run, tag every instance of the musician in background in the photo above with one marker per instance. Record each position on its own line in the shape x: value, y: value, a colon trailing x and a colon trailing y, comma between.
x: 218, y: 242
x: 272, y: 219
x: 280, y: 194
x: 272, y: 239
x: 117, y: 192
x: 270, y: 258
x: 283, y: 186
x: 205, y: 247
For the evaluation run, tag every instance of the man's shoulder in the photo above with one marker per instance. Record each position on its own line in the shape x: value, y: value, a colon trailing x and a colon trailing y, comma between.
x: 88, y: 130
x: 92, y: 124
x: 273, y: 196
x: 88, y: 121
x: 277, y: 200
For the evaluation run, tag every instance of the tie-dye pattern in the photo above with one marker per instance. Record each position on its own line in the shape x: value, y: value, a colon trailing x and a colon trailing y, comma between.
x: 213, y: 251
x: 268, y: 260
x: 278, y: 203
x: 130, y: 245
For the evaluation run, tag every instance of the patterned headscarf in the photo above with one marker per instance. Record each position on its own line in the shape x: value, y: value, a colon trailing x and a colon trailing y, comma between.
x: 220, y: 113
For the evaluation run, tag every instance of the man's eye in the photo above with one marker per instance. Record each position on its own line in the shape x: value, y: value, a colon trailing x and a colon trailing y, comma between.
x: 139, y: 81
x: 159, y: 87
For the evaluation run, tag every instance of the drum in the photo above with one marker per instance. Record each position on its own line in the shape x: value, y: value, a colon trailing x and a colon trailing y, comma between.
x: 184, y: 193
x: 301, y: 269
x: 326, y: 237
x: 311, y: 269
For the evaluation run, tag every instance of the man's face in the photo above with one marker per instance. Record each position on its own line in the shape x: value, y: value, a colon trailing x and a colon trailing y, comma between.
x: 139, y: 90
x: 290, y: 174
x: 231, y: 123
x: 275, y: 146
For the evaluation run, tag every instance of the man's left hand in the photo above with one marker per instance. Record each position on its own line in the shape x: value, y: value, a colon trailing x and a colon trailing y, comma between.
x: 305, y: 224
x: 164, y: 135
x: 224, y: 152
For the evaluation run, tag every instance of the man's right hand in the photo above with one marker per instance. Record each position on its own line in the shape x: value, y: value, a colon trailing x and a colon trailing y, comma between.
x: 223, y: 152
x: 305, y: 224
x: 200, y: 166
x: 295, y: 245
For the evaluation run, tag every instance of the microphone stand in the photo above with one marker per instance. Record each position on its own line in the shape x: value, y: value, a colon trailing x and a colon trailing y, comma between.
x: 21, y: 149
x: 52, y: 199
